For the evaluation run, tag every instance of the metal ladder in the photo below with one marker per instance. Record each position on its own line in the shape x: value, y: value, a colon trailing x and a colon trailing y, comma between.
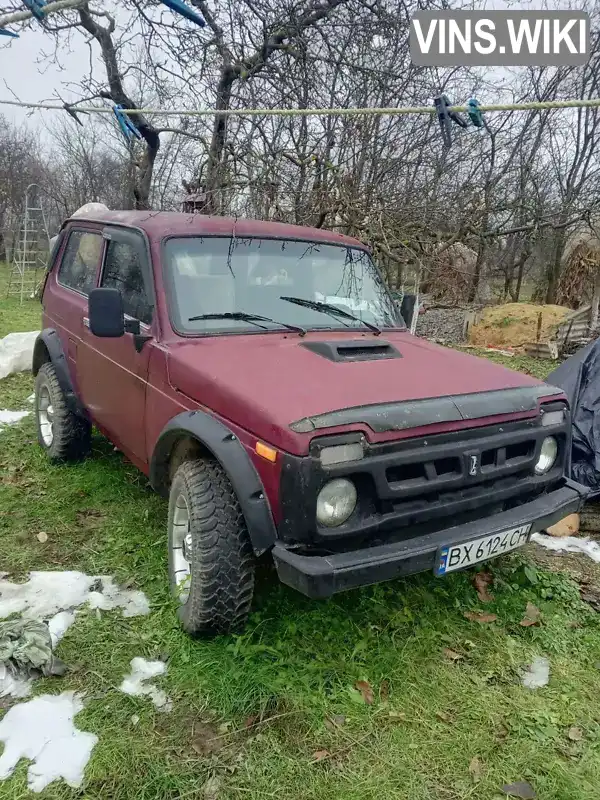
x: 31, y: 250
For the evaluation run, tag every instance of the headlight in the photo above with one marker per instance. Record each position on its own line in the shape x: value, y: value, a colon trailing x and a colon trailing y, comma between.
x: 548, y: 455
x: 335, y: 502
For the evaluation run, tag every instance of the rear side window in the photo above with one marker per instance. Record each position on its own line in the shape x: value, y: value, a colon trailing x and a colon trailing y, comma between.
x: 80, y: 261
x: 123, y: 270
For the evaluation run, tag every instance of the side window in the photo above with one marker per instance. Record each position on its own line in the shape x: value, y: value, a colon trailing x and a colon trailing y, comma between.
x: 80, y: 261
x: 123, y: 271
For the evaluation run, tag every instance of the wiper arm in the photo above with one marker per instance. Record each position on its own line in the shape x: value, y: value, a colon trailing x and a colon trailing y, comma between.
x: 329, y: 308
x: 243, y: 317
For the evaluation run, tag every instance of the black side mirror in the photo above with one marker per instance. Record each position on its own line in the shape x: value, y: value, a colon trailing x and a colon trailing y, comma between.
x: 105, y: 308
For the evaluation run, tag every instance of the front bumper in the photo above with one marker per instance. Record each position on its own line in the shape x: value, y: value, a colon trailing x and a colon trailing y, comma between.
x: 323, y: 576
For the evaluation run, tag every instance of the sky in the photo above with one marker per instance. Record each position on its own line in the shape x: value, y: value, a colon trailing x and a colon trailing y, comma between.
x: 23, y: 76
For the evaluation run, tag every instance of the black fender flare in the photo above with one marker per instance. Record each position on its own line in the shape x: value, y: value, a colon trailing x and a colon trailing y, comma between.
x: 229, y: 452
x: 48, y: 341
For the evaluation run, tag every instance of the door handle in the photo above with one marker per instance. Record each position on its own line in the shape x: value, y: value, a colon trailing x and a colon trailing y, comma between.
x: 86, y: 322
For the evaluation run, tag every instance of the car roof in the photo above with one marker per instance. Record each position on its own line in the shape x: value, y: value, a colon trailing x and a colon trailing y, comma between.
x: 158, y: 224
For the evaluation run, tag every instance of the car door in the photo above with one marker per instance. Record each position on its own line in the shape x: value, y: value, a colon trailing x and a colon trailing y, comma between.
x: 68, y: 286
x: 113, y: 372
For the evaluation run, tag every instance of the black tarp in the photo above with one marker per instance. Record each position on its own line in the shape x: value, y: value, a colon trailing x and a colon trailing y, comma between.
x: 579, y: 378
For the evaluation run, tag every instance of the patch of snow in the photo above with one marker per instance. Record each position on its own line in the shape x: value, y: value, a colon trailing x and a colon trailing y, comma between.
x: 13, y: 686
x: 10, y: 417
x: 47, y: 593
x: 538, y: 673
x: 42, y: 731
x: 59, y: 625
x: 135, y: 684
x: 16, y: 352
x: 569, y: 544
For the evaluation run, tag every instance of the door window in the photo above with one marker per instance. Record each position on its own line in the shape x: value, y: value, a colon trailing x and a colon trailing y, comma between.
x: 80, y: 261
x: 123, y: 270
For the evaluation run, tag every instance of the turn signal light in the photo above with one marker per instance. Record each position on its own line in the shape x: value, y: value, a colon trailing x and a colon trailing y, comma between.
x: 265, y: 451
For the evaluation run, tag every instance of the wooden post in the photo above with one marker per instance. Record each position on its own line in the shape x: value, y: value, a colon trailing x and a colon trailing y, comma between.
x: 539, y: 327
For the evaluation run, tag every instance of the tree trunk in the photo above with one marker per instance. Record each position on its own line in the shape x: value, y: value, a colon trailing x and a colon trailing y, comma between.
x: 214, y: 167
x: 553, y: 273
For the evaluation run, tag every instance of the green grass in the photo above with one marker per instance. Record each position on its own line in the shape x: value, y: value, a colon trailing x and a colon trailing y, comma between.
x: 296, y: 665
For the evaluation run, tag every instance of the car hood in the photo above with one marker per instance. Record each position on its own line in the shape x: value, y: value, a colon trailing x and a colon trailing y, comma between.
x: 266, y: 383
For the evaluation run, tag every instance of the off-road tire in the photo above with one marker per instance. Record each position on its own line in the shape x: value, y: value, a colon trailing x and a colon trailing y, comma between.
x: 221, y: 583
x: 71, y: 434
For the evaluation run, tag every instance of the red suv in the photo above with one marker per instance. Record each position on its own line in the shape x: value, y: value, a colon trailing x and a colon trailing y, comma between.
x: 262, y: 376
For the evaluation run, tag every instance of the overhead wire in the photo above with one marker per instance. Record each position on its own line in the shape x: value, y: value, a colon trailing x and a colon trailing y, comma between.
x: 308, y: 112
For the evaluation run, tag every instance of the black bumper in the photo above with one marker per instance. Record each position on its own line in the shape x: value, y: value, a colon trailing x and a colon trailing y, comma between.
x: 322, y: 576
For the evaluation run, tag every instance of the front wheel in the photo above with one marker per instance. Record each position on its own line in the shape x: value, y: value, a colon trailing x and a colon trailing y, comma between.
x: 211, y: 565
x: 64, y: 435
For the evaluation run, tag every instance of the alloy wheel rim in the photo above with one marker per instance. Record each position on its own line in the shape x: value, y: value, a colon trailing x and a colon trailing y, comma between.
x: 181, y: 547
x: 46, y: 416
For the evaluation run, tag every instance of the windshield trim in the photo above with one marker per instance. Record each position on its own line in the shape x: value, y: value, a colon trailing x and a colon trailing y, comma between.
x: 246, y: 328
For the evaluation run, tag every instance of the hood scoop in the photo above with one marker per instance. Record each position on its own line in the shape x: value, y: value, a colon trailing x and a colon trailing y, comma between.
x: 356, y: 350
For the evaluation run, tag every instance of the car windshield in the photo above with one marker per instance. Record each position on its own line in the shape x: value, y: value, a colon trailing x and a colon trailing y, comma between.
x: 215, y: 275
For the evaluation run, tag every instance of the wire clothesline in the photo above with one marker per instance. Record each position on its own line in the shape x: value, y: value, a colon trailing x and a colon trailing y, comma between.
x: 50, y: 8
x: 307, y: 112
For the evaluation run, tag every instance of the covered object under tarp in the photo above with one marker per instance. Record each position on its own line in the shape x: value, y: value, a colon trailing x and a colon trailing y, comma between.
x: 579, y: 378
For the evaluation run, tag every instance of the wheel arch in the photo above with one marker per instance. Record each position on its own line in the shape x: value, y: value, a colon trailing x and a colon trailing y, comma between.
x: 48, y: 349
x: 198, y: 434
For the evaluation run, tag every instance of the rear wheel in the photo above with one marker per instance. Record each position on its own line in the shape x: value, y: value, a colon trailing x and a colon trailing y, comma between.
x: 64, y: 436
x: 211, y: 565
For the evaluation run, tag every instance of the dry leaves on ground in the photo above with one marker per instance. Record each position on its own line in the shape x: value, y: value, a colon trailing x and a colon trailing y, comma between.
x: 364, y: 687
x: 476, y: 769
x: 396, y: 716
x: 452, y: 655
x: 533, y: 616
x: 476, y: 616
x: 482, y: 581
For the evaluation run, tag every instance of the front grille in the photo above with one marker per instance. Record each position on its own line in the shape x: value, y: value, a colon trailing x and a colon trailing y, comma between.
x: 425, y: 483
x: 486, y: 490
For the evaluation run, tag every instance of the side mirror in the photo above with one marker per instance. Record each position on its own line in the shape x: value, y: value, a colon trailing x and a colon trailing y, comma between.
x: 105, y: 308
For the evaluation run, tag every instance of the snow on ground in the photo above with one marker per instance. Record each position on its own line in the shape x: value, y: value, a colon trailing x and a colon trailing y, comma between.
x: 59, y: 624
x: 16, y: 352
x: 538, y: 673
x: 47, y: 593
x: 136, y: 683
x: 53, y: 597
x: 569, y: 544
x: 42, y: 731
x: 10, y: 417
x: 11, y: 686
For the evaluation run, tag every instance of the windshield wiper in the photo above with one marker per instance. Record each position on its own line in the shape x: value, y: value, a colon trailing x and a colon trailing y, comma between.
x: 329, y: 308
x: 243, y: 317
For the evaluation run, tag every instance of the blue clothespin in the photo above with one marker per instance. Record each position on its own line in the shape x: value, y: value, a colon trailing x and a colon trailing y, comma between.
x: 36, y: 7
x: 127, y: 127
x: 475, y: 113
x: 4, y: 32
x: 182, y: 8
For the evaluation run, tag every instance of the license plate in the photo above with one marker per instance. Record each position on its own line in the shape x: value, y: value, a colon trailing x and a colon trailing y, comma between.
x: 459, y: 556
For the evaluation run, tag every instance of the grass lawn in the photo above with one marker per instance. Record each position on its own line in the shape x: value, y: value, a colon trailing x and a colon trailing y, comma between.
x: 448, y: 718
